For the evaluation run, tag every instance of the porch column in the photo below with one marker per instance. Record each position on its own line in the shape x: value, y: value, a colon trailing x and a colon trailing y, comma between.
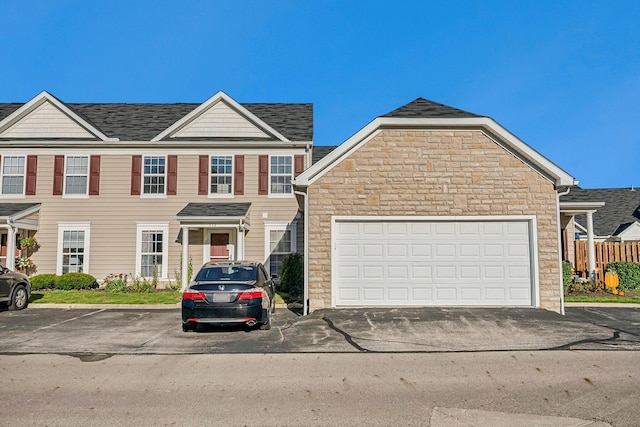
x: 592, y: 246
x: 240, y: 244
x: 11, y: 248
x: 185, y: 257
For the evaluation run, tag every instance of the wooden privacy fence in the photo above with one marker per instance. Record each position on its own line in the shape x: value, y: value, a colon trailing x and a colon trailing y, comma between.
x: 606, y: 252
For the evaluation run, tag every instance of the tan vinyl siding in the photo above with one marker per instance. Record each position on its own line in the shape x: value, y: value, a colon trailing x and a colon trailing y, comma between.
x: 220, y: 121
x: 114, y: 215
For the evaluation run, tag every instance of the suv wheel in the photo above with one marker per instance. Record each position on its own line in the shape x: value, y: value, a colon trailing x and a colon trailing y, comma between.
x: 19, y: 299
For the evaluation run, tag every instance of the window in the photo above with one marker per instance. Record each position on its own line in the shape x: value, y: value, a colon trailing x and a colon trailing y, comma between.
x: 153, y: 177
x: 281, y: 174
x: 13, y: 174
x: 221, y: 175
x: 76, y: 175
x: 153, y: 245
x: 73, y: 248
x: 280, y: 240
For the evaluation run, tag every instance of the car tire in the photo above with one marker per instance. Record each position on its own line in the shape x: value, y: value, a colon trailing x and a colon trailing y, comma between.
x: 19, y: 298
x: 267, y: 324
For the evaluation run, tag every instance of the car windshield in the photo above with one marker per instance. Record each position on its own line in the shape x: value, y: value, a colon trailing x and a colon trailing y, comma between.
x: 234, y: 273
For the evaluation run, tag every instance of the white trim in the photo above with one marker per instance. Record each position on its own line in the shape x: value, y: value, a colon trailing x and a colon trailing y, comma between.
x: 64, y: 179
x: 74, y: 226
x: 533, y: 240
x: 292, y: 175
x: 634, y: 227
x: 151, y: 150
x: 277, y: 226
x: 40, y: 99
x: 220, y: 97
x: 516, y: 146
x: 162, y: 195
x: 164, y: 228
x: 24, y: 177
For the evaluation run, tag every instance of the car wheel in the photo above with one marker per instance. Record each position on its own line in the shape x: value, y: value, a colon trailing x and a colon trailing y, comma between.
x: 19, y: 299
x: 267, y: 324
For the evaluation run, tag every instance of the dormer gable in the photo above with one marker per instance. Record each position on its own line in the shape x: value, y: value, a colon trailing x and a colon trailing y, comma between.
x: 46, y: 117
x: 220, y: 117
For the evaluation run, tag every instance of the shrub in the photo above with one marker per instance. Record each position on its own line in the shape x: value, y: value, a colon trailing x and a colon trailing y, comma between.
x: 566, y: 274
x: 141, y: 285
x: 70, y: 281
x: 115, y: 283
x: 43, y: 281
x: 628, y: 273
x: 292, y: 275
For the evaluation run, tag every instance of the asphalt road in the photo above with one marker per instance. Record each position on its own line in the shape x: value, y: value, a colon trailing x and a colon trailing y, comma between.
x: 496, y: 389
x: 105, y: 331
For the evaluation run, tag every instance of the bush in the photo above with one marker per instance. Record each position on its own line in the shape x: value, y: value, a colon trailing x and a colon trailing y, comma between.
x: 628, y: 274
x: 115, y: 283
x: 43, y: 281
x: 292, y: 275
x: 70, y: 281
x: 566, y: 274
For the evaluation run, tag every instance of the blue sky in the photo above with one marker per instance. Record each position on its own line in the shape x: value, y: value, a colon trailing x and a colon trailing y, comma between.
x: 564, y: 76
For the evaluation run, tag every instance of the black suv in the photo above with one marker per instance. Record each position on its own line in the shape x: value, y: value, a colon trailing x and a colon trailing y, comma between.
x: 15, y: 289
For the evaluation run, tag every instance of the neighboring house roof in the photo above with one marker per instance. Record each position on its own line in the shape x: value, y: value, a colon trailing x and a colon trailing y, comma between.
x: 621, y: 209
x: 319, y: 151
x: 424, y: 114
x: 143, y: 122
x: 424, y: 108
x: 202, y: 210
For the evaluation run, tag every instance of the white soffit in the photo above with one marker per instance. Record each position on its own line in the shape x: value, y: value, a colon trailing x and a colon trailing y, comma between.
x: 507, y: 139
x: 220, y: 117
x: 46, y: 117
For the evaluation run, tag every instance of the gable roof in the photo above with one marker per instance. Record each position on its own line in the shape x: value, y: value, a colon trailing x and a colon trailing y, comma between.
x: 424, y: 108
x: 320, y: 151
x: 424, y: 114
x: 621, y: 208
x: 143, y: 122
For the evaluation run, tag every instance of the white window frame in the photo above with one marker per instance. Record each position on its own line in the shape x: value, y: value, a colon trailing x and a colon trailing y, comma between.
x: 64, y: 186
x: 24, y: 176
x: 232, y: 174
x: 277, y: 226
x: 164, y: 228
x: 80, y: 226
x: 281, y: 195
x: 165, y: 175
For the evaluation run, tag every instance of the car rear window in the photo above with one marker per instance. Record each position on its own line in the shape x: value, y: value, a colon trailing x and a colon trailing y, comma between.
x: 234, y: 273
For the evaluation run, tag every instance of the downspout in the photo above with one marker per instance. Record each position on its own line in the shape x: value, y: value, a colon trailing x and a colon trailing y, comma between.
x: 305, y: 302
x: 564, y: 193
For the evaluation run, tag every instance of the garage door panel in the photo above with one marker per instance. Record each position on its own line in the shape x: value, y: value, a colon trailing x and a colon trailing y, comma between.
x: 432, y: 263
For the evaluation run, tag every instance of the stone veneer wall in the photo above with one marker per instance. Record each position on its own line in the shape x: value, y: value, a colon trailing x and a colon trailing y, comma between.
x: 431, y: 173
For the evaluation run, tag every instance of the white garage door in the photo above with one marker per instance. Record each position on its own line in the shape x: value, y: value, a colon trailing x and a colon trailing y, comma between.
x: 420, y: 263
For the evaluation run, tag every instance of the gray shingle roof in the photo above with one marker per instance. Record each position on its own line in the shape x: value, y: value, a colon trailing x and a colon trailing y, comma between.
x: 214, y: 210
x: 11, y: 209
x: 143, y: 122
x: 622, y: 208
x: 319, y: 151
x: 423, y: 108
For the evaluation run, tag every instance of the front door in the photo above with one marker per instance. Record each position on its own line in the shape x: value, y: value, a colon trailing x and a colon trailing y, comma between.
x: 219, y: 247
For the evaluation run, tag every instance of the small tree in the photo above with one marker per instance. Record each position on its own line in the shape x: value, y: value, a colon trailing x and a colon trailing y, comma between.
x: 292, y: 275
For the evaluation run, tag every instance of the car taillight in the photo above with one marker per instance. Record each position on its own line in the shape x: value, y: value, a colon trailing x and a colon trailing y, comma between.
x: 193, y: 296
x: 251, y: 294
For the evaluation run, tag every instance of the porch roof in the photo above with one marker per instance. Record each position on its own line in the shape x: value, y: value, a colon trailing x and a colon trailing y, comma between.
x: 21, y: 215
x: 215, y: 213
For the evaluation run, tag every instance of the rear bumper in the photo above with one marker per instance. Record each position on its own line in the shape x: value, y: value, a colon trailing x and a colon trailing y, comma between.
x: 221, y: 315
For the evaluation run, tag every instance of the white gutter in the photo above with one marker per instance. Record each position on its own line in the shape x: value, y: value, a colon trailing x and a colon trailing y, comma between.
x: 564, y: 193
x: 305, y: 297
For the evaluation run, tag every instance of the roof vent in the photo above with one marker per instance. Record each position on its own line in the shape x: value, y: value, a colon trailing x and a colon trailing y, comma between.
x: 633, y: 189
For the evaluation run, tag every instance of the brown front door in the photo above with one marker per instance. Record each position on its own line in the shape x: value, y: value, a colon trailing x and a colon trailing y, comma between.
x: 219, y: 246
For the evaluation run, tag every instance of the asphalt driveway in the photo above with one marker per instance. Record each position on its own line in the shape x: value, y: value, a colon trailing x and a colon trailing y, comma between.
x: 92, y: 333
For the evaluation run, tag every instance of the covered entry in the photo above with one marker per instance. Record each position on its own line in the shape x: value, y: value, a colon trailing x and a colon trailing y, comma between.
x: 17, y: 220
x: 403, y: 261
x: 223, y: 227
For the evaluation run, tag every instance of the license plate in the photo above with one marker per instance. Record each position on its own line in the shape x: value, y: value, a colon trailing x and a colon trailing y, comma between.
x: 222, y: 297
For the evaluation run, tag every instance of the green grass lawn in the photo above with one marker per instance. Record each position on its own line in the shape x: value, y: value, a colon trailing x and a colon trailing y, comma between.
x: 604, y: 299
x: 95, y: 296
